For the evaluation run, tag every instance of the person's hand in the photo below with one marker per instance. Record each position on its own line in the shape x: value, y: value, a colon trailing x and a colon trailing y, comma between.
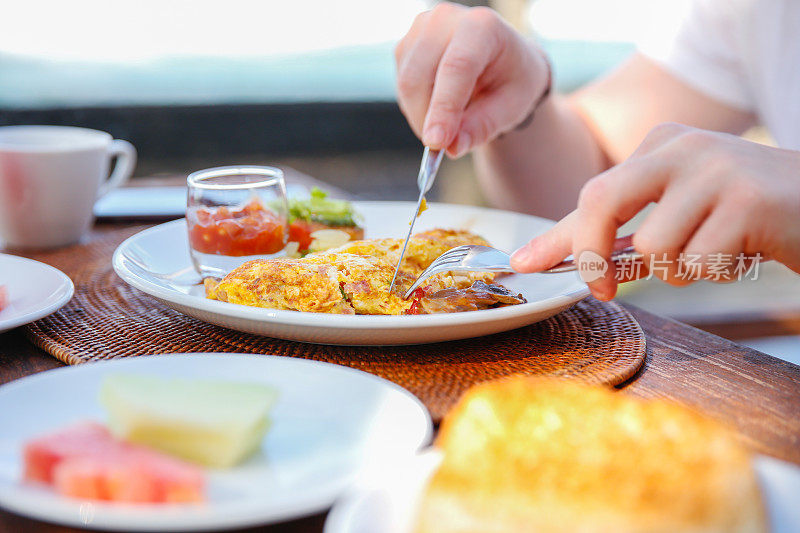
x: 464, y: 77
x: 716, y: 194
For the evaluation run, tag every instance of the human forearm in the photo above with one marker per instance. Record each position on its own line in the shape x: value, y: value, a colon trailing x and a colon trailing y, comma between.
x: 466, y: 80
x: 540, y: 169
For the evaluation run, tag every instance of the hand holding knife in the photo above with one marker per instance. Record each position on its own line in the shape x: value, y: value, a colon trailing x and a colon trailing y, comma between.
x: 431, y: 159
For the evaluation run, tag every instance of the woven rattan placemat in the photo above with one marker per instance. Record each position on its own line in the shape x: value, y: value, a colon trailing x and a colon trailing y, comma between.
x: 592, y: 342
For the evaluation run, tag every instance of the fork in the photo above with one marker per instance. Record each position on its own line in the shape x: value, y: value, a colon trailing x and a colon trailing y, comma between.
x: 476, y: 258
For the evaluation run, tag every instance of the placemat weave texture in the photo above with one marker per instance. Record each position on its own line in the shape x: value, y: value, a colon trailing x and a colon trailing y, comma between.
x: 592, y: 342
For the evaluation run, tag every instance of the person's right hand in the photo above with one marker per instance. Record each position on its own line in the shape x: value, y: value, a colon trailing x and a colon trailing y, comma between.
x: 464, y: 77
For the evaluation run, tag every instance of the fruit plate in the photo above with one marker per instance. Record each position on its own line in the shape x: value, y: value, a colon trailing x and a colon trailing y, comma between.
x: 388, y: 504
x: 330, y: 424
x: 35, y: 290
x: 142, y: 261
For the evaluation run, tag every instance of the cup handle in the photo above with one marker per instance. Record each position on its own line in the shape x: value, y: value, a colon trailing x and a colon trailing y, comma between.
x: 123, y: 169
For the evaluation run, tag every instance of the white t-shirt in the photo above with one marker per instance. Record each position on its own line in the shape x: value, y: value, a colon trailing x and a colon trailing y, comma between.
x: 745, y: 53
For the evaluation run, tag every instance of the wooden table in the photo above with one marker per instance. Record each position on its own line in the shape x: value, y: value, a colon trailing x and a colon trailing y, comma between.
x: 756, y: 394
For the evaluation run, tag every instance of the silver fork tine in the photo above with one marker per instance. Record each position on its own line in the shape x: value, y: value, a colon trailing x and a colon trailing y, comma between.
x: 446, y: 261
x: 476, y: 258
x: 428, y: 272
x: 451, y: 257
x: 455, y: 259
x: 461, y: 251
x: 462, y: 248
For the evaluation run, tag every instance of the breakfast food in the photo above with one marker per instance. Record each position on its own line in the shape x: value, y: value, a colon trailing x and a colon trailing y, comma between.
x: 319, y: 213
x: 250, y: 230
x: 213, y: 423
x: 152, y: 420
x: 255, y: 228
x: 86, y: 461
x: 422, y: 249
x: 355, y: 278
x: 3, y: 297
x: 530, y: 454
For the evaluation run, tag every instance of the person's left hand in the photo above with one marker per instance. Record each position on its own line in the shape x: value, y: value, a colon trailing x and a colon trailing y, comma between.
x: 716, y: 194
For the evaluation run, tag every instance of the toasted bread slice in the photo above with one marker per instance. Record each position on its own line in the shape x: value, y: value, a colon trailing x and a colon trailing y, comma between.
x: 530, y: 454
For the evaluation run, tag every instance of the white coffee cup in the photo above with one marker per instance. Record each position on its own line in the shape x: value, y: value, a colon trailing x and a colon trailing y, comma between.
x: 50, y: 178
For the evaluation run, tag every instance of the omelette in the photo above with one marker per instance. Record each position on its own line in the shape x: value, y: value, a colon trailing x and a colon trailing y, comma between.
x: 354, y: 279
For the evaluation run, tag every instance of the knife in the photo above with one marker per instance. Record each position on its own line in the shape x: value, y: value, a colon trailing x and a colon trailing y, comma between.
x: 431, y: 159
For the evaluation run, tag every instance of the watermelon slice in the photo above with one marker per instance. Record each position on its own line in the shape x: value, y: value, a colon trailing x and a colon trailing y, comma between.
x: 86, y: 461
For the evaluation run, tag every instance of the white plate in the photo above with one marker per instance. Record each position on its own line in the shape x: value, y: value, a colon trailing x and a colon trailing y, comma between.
x: 35, y: 290
x: 389, y: 504
x: 164, y: 249
x: 329, y: 423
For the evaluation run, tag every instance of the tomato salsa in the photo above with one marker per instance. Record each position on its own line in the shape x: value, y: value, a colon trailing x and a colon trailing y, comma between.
x: 250, y: 230
x: 254, y: 229
x: 300, y: 232
x: 418, y: 294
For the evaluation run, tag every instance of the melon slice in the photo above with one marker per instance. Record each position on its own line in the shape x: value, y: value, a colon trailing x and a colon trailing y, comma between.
x: 213, y: 423
x: 85, y: 461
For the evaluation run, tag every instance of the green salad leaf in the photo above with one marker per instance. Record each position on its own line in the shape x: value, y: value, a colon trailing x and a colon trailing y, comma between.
x: 320, y: 208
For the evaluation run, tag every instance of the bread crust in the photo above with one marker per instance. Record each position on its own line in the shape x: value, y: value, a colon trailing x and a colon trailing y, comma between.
x: 530, y: 454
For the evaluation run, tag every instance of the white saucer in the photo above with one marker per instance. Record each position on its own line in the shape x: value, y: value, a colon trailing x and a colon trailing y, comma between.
x: 35, y: 290
x: 329, y: 424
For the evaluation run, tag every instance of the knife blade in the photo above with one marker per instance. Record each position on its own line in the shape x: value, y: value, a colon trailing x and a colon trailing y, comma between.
x: 431, y: 159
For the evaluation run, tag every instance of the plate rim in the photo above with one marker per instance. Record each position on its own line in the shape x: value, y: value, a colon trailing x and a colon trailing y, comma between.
x: 345, y: 512
x: 63, y: 294
x: 304, y: 508
x: 344, y: 515
x: 333, y: 321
